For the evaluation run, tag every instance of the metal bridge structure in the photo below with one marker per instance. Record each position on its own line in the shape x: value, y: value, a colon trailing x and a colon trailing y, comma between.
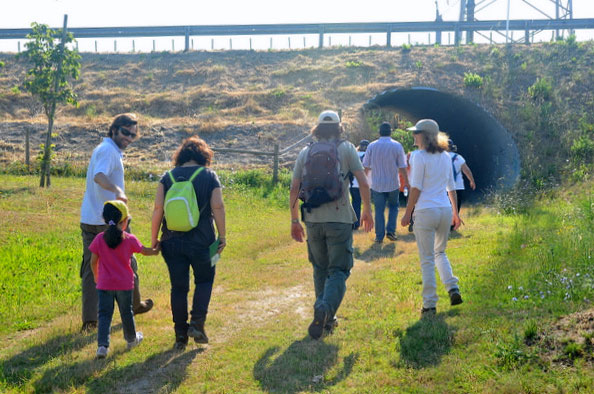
x: 557, y: 18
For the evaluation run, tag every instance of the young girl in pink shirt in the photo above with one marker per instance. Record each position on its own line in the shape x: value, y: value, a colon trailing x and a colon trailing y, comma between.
x: 110, y: 261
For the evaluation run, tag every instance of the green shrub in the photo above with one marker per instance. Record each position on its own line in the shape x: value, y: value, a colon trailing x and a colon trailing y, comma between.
x: 582, y: 149
x: 406, y: 47
x: 353, y: 64
x: 511, y: 355
x: 530, y: 330
x: 472, y: 80
x: 573, y: 350
x: 541, y: 90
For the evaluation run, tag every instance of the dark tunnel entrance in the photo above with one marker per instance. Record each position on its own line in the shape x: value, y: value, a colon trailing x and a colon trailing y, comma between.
x: 486, y: 145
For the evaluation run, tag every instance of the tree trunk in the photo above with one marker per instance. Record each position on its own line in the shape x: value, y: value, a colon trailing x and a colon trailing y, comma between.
x: 46, y: 161
x: 27, y: 156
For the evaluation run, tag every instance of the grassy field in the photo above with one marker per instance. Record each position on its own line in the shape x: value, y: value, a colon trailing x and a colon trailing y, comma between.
x: 523, y: 277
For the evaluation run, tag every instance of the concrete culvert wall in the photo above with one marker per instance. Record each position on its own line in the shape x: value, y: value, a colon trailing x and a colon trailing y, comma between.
x: 486, y: 145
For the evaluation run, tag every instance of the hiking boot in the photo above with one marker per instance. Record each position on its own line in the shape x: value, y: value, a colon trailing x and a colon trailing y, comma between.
x: 144, y: 306
x: 316, y: 328
x: 196, y: 331
x: 133, y: 343
x: 428, y: 312
x: 102, y: 352
x: 88, y: 326
x: 330, y: 325
x: 180, y: 342
x: 455, y: 297
x: 391, y: 236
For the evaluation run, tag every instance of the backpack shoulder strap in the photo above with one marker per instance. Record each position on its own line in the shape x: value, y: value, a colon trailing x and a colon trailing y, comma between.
x: 195, y: 174
x: 171, y: 176
x: 454, y: 167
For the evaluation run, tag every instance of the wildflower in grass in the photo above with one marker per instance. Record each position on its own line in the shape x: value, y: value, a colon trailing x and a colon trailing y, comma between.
x: 526, y: 297
x: 577, y: 275
x: 521, y: 288
x: 509, y: 287
x: 514, y: 299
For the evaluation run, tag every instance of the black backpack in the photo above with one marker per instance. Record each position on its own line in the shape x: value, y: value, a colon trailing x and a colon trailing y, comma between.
x: 321, y: 181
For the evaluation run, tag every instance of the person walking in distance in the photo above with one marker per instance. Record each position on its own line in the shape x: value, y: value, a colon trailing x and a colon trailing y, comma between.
x: 111, y: 251
x: 320, y: 179
x: 354, y: 189
x: 105, y: 181
x: 385, y: 159
x: 431, y: 176
x: 459, y: 166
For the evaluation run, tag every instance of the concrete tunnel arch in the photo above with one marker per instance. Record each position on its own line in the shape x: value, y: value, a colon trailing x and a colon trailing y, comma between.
x: 487, y: 146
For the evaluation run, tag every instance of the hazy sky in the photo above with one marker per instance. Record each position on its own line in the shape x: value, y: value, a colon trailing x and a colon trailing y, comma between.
x: 86, y: 13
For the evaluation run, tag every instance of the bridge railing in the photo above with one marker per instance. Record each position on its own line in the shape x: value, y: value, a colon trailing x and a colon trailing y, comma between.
x: 320, y: 29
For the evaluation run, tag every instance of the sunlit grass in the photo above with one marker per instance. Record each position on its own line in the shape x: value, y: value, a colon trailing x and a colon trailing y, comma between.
x: 263, y: 296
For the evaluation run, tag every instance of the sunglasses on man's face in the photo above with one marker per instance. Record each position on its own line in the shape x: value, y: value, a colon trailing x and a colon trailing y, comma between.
x: 127, y: 133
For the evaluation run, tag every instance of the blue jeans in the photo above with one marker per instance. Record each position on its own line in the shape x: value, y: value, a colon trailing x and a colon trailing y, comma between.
x: 180, y: 255
x: 356, y: 202
x: 330, y: 250
x: 380, y: 199
x: 105, y: 314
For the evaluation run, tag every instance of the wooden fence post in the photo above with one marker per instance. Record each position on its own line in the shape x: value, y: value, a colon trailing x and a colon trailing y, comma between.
x: 389, y: 36
x: 187, y: 40
x: 95, y: 46
x: 275, y: 165
x: 27, y: 161
x: 153, y: 45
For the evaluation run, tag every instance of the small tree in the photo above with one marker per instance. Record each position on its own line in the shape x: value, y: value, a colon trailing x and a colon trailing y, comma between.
x: 52, y: 64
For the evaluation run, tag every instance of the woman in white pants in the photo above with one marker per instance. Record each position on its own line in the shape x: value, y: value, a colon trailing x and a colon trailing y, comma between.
x: 434, y: 210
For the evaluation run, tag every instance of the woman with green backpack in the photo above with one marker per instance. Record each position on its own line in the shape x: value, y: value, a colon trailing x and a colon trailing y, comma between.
x: 188, y: 204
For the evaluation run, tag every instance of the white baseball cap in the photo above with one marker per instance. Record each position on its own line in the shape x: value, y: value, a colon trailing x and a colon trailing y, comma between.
x: 328, y: 117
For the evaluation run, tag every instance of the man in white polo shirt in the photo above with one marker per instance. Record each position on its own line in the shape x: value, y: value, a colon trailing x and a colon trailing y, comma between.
x: 105, y: 181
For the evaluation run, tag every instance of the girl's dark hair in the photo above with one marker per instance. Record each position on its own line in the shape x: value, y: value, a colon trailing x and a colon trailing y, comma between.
x: 113, y: 235
x: 193, y: 148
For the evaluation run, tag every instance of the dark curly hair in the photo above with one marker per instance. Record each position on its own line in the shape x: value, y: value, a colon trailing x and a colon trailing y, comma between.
x: 193, y: 148
x: 125, y: 120
x: 327, y: 130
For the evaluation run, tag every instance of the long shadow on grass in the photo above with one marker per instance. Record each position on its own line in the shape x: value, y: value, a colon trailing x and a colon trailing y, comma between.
x: 5, y: 192
x: 424, y: 343
x: 301, y: 367
x: 162, y: 372
x: 376, y: 251
x: 21, y: 367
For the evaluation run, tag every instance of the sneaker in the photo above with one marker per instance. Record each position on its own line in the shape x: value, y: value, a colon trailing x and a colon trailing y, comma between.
x: 316, y: 328
x: 455, y: 297
x: 391, y: 236
x: 88, y: 326
x: 180, y: 343
x: 196, y: 331
x: 135, y: 341
x: 428, y: 312
x: 102, y: 352
x: 330, y: 325
x: 144, y: 306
